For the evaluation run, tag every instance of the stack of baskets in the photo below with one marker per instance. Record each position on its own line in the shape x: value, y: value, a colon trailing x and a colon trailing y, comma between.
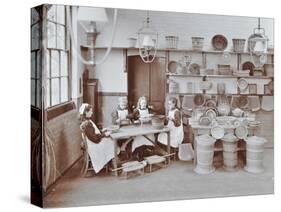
x: 205, y: 154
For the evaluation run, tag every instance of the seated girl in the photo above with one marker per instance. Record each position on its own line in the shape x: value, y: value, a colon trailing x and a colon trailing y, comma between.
x: 100, y: 145
x: 121, y: 115
x: 174, y: 123
x: 140, y: 143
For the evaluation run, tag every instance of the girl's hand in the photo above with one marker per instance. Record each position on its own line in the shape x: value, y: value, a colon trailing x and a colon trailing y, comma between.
x: 107, y: 133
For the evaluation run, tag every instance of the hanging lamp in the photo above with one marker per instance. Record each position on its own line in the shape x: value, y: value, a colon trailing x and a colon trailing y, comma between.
x: 147, y: 41
x: 257, y: 45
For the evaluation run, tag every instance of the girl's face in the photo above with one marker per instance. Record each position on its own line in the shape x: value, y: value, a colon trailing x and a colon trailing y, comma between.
x: 89, y: 113
x: 123, y: 105
x: 171, y: 105
x: 143, y: 104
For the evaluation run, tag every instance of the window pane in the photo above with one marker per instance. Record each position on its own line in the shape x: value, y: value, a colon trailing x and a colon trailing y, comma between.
x: 60, y: 37
x: 39, y: 94
x: 39, y: 65
x: 64, y: 89
x: 63, y: 63
x: 33, y: 68
x: 35, y: 37
x: 51, y: 35
x: 34, y: 16
x: 55, y: 92
x: 51, y: 14
x: 60, y: 14
x: 33, y: 92
x: 48, y: 64
x: 47, y: 92
x: 55, y: 63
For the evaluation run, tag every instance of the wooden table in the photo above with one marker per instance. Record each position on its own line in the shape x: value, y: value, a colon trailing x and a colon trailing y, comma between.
x: 137, y: 130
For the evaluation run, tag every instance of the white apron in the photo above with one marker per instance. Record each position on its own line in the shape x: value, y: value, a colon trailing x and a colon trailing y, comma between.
x: 141, y: 140
x: 122, y: 115
x: 100, y: 153
x: 176, y: 133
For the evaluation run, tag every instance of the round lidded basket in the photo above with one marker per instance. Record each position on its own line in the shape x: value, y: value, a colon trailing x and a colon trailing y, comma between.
x: 238, y: 44
x: 172, y: 42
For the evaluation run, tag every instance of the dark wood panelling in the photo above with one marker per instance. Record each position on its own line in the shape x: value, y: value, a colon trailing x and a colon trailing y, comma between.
x: 112, y: 94
x: 58, y: 110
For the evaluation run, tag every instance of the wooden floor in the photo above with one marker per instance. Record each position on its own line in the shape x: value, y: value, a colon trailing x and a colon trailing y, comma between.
x: 177, y: 181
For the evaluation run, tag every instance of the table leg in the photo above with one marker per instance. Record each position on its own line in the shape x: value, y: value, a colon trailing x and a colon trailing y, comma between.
x: 169, y: 146
x: 114, y: 160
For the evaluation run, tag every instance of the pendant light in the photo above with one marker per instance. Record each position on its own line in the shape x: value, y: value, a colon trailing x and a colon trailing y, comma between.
x: 257, y: 45
x: 147, y: 41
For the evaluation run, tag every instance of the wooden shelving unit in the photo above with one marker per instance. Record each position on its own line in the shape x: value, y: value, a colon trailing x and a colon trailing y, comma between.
x: 204, y: 54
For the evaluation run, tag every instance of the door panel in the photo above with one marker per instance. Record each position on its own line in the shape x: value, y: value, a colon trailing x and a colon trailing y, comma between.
x: 138, y: 79
x: 157, y: 86
x: 147, y: 80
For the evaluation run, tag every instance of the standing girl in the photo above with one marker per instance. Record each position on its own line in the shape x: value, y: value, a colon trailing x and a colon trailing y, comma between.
x: 174, y: 123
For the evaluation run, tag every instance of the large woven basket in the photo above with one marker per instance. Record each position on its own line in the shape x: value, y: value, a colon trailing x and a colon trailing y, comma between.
x: 197, y: 43
x: 238, y: 44
x: 172, y: 42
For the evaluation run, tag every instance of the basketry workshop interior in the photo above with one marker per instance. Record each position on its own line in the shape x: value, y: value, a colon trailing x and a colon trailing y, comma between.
x: 139, y: 105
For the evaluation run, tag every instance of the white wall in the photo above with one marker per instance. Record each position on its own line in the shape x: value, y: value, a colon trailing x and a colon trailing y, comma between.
x: 111, y: 75
x: 185, y: 25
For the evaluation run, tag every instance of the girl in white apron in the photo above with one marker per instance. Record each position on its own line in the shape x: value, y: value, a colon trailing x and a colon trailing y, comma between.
x: 139, y: 114
x: 100, y: 145
x: 121, y: 115
x: 174, y: 124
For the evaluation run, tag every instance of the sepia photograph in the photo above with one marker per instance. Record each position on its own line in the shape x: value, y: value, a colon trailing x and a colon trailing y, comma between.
x: 131, y: 106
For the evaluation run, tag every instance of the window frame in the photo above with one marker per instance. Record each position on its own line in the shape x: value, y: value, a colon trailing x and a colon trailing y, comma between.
x: 37, y: 77
x: 67, y: 49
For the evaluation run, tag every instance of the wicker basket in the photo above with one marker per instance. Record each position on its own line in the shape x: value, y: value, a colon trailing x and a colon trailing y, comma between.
x: 238, y: 44
x: 172, y: 42
x: 224, y: 69
x: 197, y: 43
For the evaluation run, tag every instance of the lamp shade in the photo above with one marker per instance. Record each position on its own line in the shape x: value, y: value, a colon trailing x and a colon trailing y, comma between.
x: 88, y: 14
x: 147, y: 42
x: 260, y: 45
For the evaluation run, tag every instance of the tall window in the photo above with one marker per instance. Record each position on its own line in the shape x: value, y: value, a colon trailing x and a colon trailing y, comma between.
x: 36, y: 25
x: 57, y: 86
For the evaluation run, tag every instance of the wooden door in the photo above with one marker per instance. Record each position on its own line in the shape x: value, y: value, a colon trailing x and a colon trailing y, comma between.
x: 147, y: 80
